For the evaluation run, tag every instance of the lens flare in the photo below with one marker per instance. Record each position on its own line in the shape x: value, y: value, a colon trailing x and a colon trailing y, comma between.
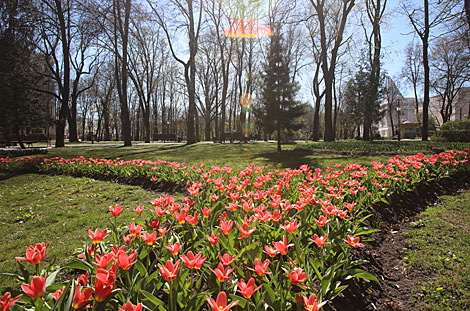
x: 241, y: 28
x: 246, y: 16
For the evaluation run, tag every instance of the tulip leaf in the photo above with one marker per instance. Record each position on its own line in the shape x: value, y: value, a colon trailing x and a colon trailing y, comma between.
x: 140, y: 266
x: 51, y: 277
x: 80, y: 265
x: 359, y: 273
x: 271, y: 297
x: 154, y: 300
x: 242, y: 301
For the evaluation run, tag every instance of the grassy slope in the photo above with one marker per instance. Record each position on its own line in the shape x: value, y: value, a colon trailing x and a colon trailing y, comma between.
x: 440, y: 244
x: 56, y: 209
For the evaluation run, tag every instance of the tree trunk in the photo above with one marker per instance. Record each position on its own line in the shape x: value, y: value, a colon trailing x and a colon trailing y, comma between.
x: 426, y: 72
x: 65, y: 93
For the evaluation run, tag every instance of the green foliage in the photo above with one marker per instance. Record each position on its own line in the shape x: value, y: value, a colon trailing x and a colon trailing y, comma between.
x: 362, y: 98
x: 279, y: 110
x: 454, y: 131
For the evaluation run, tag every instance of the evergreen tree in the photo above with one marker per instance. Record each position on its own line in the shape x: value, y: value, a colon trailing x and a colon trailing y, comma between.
x: 279, y: 110
x: 362, y: 101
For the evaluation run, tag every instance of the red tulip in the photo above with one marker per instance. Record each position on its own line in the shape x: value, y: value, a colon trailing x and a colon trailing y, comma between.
x: 97, y: 236
x: 213, y: 239
x: 354, y: 242
x: 56, y: 295
x: 226, y: 226
x: 282, y: 247
x: 193, y: 262
x: 311, y: 303
x: 103, y: 260
x: 170, y: 270
x: 83, y: 279
x: 162, y: 231
x: 247, y: 289
x: 139, y: 210
x: 37, y: 287
x: 134, y: 230
x: 36, y: 254
x: 226, y: 259
x: 221, y: 303
x: 6, y: 303
x: 272, y: 252
x: 80, y: 298
x: 181, y: 217
x: 174, y: 248
x: 116, y: 210
x: 297, y: 277
x: 245, y: 230
x: 320, y: 241
x: 290, y: 226
x: 126, y: 261
x: 107, y: 276
x: 154, y: 223
x: 192, y: 220
x: 130, y: 307
x: 322, y: 220
x: 150, y: 239
x: 206, y: 212
x: 102, y: 290
x: 222, y: 273
x: 276, y: 217
x: 261, y: 268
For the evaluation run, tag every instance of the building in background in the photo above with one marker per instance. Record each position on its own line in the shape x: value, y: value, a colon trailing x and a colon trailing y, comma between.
x: 399, y: 119
x: 459, y: 110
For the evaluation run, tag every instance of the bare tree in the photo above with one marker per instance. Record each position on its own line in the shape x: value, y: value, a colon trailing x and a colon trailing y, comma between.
x: 144, y: 63
x: 54, y: 44
x: 375, y: 10
x: 332, y: 17
x: 412, y: 71
x: 423, y: 20
x: 218, y: 20
x: 191, y: 22
x: 450, y: 62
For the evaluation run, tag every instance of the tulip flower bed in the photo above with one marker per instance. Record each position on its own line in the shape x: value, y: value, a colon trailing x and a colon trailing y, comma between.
x: 247, y: 240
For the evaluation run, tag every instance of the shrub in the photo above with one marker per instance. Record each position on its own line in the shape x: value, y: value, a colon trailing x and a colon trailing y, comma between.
x: 457, y: 130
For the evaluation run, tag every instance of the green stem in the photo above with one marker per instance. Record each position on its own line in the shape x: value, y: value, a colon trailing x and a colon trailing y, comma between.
x: 37, y: 269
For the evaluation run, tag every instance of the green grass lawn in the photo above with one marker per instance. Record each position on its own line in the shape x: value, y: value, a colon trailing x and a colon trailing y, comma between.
x: 440, y: 244
x: 236, y: 155
x: 59, y: 210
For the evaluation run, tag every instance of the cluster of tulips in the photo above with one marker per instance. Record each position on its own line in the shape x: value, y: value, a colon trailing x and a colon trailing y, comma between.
x: 247, y: 240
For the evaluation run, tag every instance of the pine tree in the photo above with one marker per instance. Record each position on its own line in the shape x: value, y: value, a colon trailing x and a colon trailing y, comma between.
x: 279, y: 111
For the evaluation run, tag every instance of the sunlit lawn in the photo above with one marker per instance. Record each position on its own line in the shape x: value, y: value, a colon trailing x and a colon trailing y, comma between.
x: 56, y: 209
x: 236, y: 155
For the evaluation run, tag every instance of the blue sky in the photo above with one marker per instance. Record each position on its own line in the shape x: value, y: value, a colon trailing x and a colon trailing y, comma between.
x: 395, y: 37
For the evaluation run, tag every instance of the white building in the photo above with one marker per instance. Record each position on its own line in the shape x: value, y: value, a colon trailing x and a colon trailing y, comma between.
x: 460, y: 106
x: 399, y: 114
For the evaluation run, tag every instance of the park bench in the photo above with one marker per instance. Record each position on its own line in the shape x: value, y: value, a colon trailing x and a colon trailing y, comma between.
x: 28, y: 139
x: 164, y: 137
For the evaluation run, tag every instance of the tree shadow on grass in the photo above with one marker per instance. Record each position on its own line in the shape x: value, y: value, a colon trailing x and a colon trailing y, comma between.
x: 5, y: 176
x: 143, y: 151
x: 289, y: 158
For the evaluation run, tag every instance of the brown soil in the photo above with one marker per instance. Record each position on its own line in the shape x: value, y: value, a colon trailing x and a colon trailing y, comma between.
x: 385, y: 254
